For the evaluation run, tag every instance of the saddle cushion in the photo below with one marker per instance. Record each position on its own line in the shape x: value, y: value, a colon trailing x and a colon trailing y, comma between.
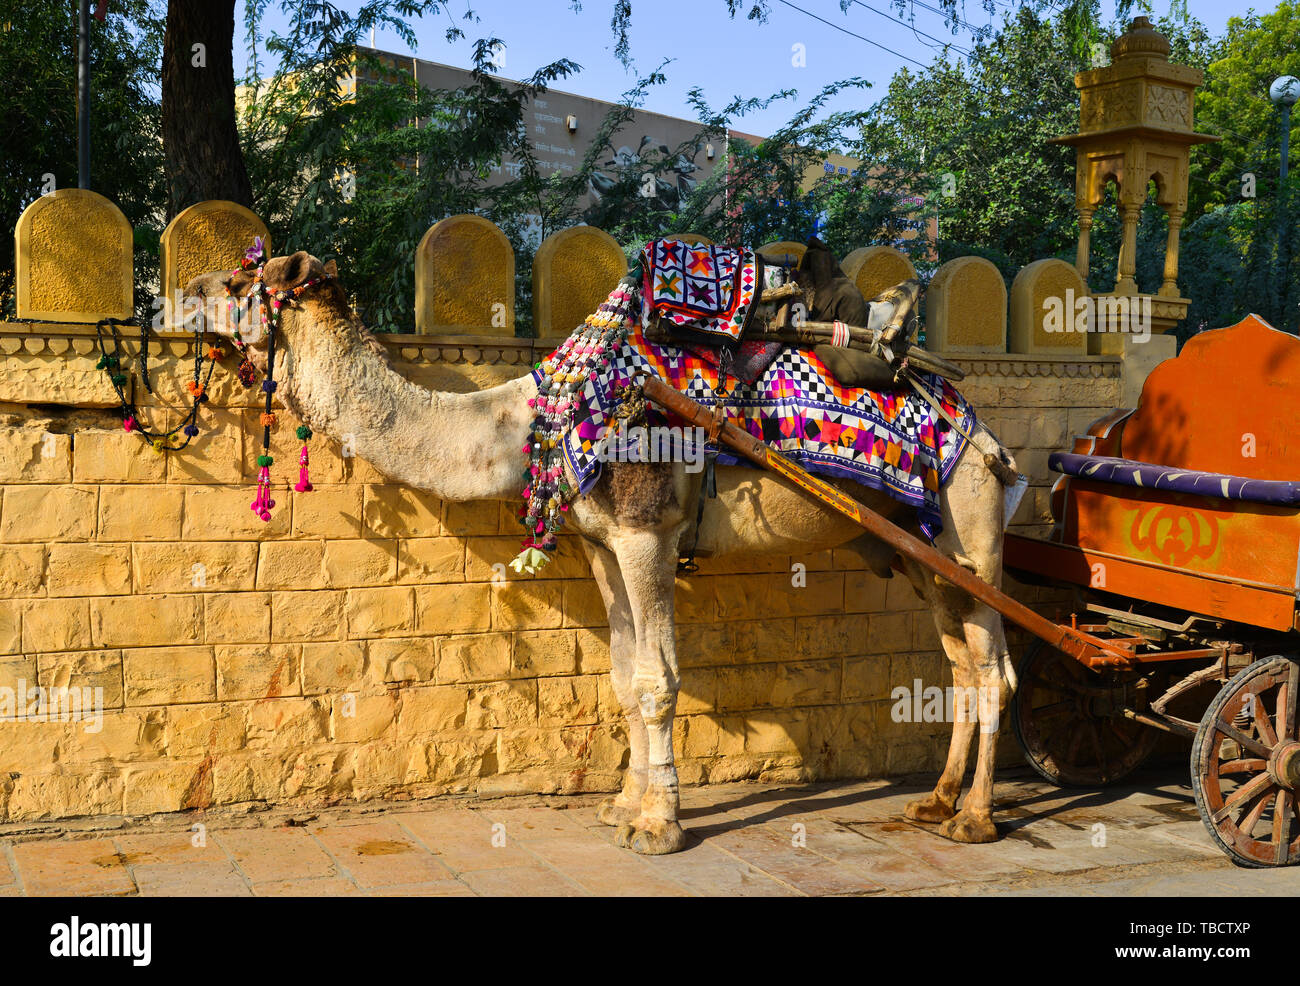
x: 1130, y: 472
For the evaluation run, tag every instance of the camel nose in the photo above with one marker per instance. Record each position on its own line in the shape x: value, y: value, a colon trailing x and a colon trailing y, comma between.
x: 199, y: 295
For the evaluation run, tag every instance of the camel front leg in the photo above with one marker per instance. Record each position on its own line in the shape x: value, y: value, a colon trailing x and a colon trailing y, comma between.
x: 988, y: 649
x: 648, y: 561
x: 626, y: 805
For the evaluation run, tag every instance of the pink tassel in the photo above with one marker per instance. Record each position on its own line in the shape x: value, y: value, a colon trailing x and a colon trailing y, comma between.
x: 304, y: 482
x: 263, y: 504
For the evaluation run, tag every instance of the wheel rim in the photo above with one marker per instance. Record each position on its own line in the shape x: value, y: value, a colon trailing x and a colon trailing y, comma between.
x: 1068, y: 721
x: 1248, y: 764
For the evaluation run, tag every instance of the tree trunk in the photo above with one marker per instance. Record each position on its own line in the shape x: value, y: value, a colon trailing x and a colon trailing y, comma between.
x: 200, y: 142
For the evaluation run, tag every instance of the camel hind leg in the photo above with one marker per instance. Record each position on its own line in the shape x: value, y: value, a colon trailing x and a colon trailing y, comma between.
x: 973, y: 638
x: 941, y: 803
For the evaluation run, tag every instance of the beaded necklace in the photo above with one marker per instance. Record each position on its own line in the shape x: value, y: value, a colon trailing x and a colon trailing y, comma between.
x: 579, y: 359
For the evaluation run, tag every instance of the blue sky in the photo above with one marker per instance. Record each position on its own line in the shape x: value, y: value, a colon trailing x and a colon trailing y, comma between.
x: 724, y: 57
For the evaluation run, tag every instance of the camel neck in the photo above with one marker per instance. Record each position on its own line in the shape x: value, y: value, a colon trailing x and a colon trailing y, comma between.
x: 457, y: 446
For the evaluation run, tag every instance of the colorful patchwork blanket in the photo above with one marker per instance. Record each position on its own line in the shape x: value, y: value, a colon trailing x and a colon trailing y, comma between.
x: 895, y: 443
x: 700, y: 289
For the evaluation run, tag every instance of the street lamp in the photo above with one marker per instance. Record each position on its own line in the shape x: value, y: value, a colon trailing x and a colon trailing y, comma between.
x: 1284, y: 91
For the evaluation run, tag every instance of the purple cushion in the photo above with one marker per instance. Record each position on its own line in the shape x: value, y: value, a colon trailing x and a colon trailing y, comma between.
x: 1128, y: 472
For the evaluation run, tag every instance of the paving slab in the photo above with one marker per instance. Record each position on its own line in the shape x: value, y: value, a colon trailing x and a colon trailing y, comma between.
x: 380, y: 854
x: 463, y: 839
x: 522, y: 881
x: 271, y: 855
x: 189, y: 880
x: 81, y: 868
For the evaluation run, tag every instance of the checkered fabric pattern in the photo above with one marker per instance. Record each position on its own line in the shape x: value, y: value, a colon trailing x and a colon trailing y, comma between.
x: 705, y: 289
x: 890, y: 442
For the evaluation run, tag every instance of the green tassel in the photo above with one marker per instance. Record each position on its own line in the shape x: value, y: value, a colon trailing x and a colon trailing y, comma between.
x: 303, y: 433
x: 264, y: 460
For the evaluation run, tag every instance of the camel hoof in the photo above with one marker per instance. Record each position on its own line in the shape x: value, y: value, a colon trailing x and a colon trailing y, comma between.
x: 928, y: 809
x: 623, y: 837
x: 965, y: 827
x: 652, y: 837
x: 611, y: 812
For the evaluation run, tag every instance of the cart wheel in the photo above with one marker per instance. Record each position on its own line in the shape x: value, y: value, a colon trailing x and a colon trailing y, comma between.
x: 1066, y: 719
x: 1246, y: 765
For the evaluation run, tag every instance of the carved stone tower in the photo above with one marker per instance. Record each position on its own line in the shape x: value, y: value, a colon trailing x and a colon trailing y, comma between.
x: 1135, y: 125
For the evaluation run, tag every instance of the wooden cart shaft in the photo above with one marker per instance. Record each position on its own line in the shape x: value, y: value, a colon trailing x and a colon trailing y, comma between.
x: 1095, y: 652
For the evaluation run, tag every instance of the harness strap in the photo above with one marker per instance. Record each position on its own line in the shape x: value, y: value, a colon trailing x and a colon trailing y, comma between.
x: 686, y: 565
x: 1004, y: 473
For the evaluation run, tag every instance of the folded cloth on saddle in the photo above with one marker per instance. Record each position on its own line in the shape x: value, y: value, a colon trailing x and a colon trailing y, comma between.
x: 1149, y: 475
x: 703, y: 293
x: 854, y: 368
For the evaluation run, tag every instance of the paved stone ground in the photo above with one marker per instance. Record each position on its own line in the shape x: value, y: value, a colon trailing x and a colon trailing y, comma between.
x: 745, y: 839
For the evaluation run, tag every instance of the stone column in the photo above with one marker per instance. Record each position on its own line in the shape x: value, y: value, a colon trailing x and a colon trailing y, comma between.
x: 1085, y: 242
x: 1126, y: 279
x: 1169, y: 288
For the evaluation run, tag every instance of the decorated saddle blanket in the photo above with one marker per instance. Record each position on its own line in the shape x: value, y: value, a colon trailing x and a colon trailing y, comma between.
x: 892, y: 442
x: 706, y: 292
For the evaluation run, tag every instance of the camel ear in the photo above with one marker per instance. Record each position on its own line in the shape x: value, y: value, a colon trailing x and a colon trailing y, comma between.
x: 283, y: 273
x: 331, y: 269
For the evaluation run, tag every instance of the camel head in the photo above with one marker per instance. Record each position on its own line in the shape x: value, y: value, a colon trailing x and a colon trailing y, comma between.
x: 209, y: 292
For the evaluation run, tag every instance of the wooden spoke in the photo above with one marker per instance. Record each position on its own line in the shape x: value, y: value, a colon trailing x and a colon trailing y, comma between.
x: 1286, y: 703
x: 1256, y: 785
x: 1248, y: 766
x: 1236, y: 789
x: 1282, y: 825
x: 1250, y: 817
x: 1054, y: 709
x: 1262, y: 723
x: 1244, y: 741
x: 1098, y: 748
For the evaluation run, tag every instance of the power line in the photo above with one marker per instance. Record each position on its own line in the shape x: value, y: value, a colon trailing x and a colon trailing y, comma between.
x: 914, y: 29
x: 977, y: 31
x: 842, y: 30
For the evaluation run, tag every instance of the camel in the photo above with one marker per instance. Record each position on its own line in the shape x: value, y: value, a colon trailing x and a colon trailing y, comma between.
x: 632, y: 524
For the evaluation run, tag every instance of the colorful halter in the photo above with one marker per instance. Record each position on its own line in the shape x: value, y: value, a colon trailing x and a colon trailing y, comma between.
x: 269, y: 307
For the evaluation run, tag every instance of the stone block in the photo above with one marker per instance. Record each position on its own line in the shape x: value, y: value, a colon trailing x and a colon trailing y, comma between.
x: 465, y: 279
x: 88, y: 569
